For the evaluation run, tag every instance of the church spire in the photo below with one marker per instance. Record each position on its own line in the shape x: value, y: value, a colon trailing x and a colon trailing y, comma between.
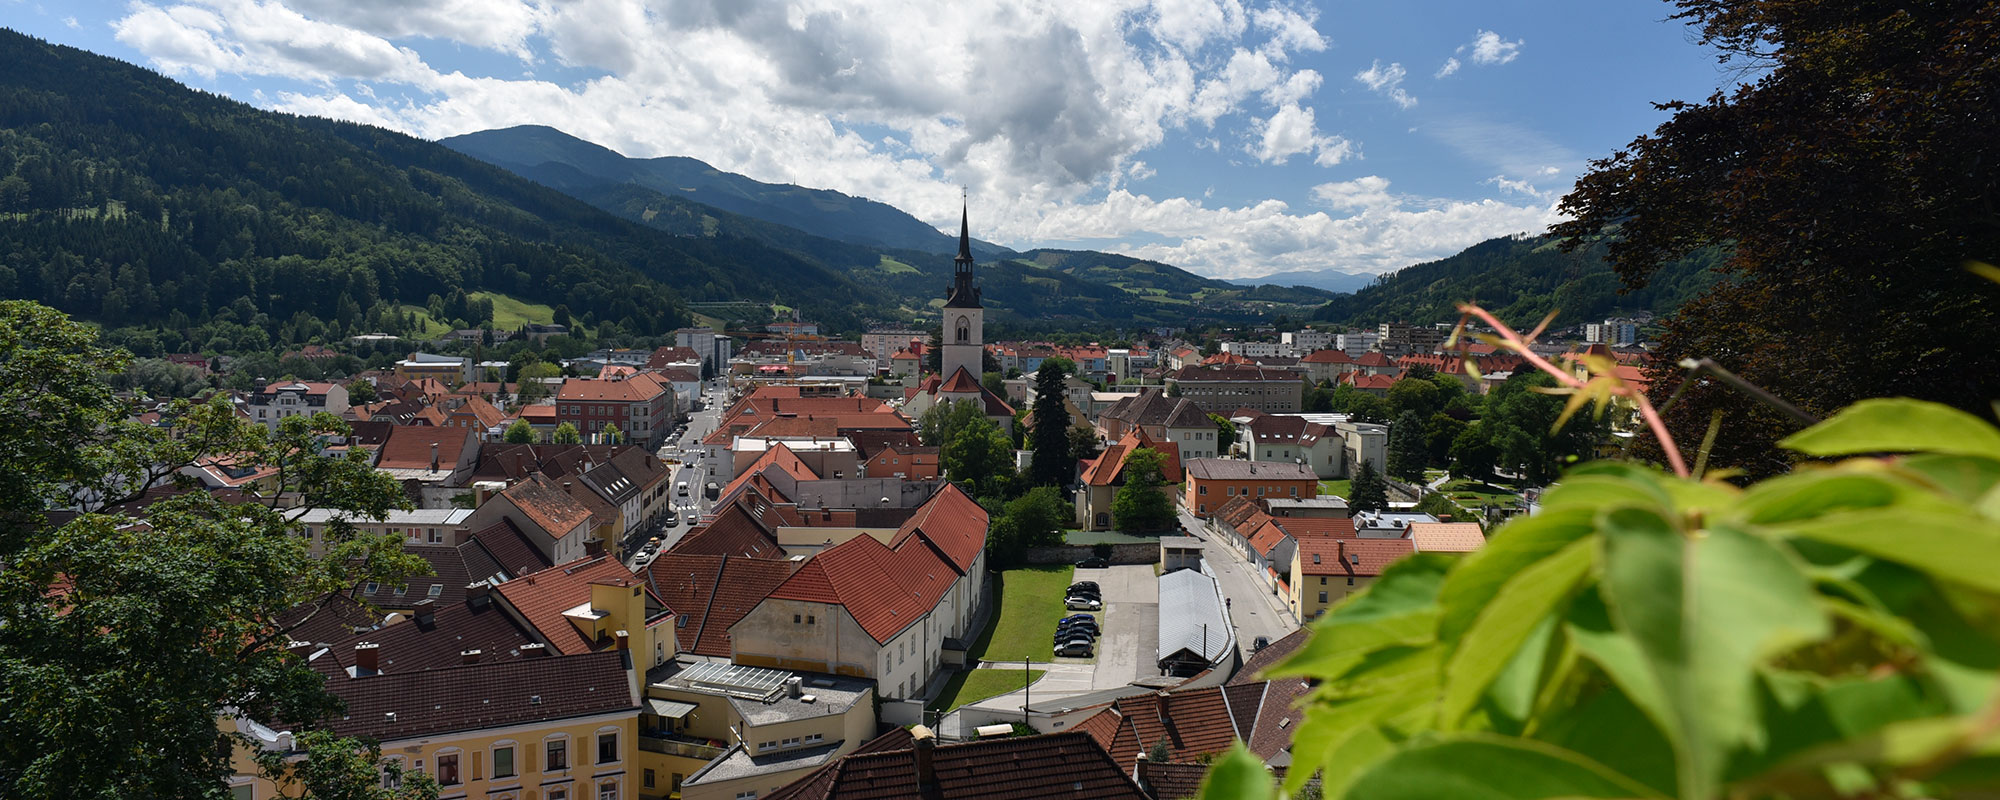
x: 964, y: 235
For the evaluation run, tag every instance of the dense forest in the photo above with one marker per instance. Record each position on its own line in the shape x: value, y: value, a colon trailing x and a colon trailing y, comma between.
x: 1522, y: 280
x: 129, y: 199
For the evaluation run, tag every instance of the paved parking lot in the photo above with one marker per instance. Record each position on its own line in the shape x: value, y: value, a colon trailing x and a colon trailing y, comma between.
x: 1131, y: 624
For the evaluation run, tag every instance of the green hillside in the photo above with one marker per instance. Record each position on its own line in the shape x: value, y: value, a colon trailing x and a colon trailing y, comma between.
x: 1521, y: 279
x: 130, y: 199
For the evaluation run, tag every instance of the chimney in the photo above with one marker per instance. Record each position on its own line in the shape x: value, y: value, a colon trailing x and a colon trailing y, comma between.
x: 426, y: 613
x: 478, y: 591
x: 923, y: 752
x: 624, y: 640
x: 534, y: 649
x: 469, y: 656
x: 298, y: 648
x: 434, y: 456
x: 367, y: 659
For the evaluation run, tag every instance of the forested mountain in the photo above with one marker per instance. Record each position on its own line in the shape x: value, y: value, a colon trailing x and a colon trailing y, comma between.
x: 573, y: 165
x: 1522, y: 280
x: 1329, y: 280
x: 130, y: 199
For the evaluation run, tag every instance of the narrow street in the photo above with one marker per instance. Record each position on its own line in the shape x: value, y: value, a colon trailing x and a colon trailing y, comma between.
x: 1253, y: 609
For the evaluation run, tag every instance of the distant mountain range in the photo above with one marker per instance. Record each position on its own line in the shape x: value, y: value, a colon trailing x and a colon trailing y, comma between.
x: 1330, y: 280
x: 561, y: 161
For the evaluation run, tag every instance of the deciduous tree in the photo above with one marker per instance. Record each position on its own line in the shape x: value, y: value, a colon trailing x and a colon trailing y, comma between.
x: 1140, y: 505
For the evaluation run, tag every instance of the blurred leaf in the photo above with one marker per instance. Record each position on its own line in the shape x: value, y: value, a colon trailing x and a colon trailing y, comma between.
x: 1812, y: 494
x: 1590, y: 628
x: 1516, y: 546
x: 1338, y: 739
x: 1705, y: 608
x: 1964, y: 478
x: 1490, y: 768
x: 1505, y: 622
x: 1955, y: 547
x: 1898, y: 425
x: 1238, y: 775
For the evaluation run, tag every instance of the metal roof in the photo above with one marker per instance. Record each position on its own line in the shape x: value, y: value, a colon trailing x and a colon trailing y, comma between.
x: 1188, y: 602
x: 754, y: 683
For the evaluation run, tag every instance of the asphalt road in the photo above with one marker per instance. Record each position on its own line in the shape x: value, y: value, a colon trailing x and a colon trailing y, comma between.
x: 1253, y: 609
x: 693, y: 470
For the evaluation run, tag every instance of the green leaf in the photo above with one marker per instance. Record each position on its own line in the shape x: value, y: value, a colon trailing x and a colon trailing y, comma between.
x: 1514, y: 547
x: 1898, y: 425
x: 1399, y: 609
x: 1590, y: 628
x: 1811, y: 494
x: 1490, y: 768
x: 1521, y: 605
x: 1964, y: 478
x: 1705, y: 608
x: 1238, y: 775
x: 1956, y: 547
x: 1339, y: 740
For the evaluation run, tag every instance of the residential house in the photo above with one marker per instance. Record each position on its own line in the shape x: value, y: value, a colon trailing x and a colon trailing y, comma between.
x: 1102, y: 477
x: 1211, y: 482
x: 278, y: 401
x: 557, y: 728
x: 558, y: 525
x: 877, y: 610
x: 1327, y: 365
x: 592, y: 605
x: 1291, y: 439
x: 883, y: 342
x: 476, y: 415
x: 1328, y: 568
x: 1164, y: 419
x: 902, y: 461
x: 1446, y: 537
x: 435, y: 458
x: 641, y: 406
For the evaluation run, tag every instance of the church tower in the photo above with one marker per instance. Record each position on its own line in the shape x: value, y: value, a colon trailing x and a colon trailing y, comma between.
x: 964, y: 319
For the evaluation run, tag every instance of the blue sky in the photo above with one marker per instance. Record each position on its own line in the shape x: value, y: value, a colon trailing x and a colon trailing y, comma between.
x: 1231, y: 137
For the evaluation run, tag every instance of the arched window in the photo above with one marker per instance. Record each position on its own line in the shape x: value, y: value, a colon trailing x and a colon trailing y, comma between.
x: 964, y: 330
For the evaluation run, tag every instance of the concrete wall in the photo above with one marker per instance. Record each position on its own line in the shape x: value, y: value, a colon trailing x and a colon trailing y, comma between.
x: 1123, y: 553
x: 767, y: 637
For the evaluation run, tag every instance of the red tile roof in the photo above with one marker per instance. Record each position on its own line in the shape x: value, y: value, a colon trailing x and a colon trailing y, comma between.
x: 1250, y: 672
x: 542, y: 597
x: 1328, y: 356
x: 733, y: 532
x: 409, y: 447
x: 711, y: 593
x: 1068, y: 766
x: 1447, y: 537
x: 638, y: 388
x: 952, y: 522
x: 1350, y: 557
x: 960, y: 382
x: 884, y: 590
x: 543, y: 501
x: 1302, y: 527
x: 1374, y: 358
x: 491, y: 694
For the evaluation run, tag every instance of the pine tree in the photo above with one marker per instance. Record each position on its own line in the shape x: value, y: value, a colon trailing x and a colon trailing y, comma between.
x: 1052, y: 465
x: 1139, y: 505
x: 1407, y: 450
x: 1369, y: 492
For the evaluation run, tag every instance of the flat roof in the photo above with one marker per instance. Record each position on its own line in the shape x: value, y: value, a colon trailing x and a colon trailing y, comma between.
x: 733, y: 680
x: 421, y: 516
x: 738, y: 763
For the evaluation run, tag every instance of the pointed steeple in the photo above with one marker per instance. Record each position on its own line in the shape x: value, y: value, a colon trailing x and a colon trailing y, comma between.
x: 964, y: 236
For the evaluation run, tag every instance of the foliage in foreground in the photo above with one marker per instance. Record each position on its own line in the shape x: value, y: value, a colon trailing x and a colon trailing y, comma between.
x: 1833, y: 632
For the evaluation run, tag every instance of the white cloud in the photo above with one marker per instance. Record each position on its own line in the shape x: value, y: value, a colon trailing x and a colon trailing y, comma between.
x: 1044, y: 108
x: 71, y: 22
x: 1366, y: 192
x: 1291, y: 131
x: 1489, y: 49
x: 1450, y: 66
x: 1387, y: 81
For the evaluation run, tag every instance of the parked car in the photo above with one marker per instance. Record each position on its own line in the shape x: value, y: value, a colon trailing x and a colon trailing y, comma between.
x: 1086, y: 628
x: 1091, y: 585
x: 1083, y: 592
x: 1259, y: 643
x: 1093, y: 563
x: 1075, y: 648
x: 1083, y: 604
x: 1074, y: 617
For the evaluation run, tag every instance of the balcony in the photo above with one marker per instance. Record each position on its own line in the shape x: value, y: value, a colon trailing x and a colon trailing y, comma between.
x: 673, y: 744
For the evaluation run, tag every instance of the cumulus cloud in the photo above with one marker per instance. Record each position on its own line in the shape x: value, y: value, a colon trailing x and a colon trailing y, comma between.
x: 1045, y: 108
x: 1489, y: 49
x: 1450, y: 66
x: 1366, y: 192
x: 1386, y: 81
x: 1291, y: 131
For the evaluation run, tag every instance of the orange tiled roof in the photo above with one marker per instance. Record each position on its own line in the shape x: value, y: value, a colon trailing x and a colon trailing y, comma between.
x: 542, y: 597
x: 545, y: 503
x: 1350, y: 557
x: 1447, y: 537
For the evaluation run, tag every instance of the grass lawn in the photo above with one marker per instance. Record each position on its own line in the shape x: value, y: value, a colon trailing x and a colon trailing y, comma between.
x: 974, y: 685
x: 1341, y: 489
x: 431, y: 327
x: 1473, y: 494
x: 509, y: 313
x: 1031, y: 602
x: 894, y: 267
